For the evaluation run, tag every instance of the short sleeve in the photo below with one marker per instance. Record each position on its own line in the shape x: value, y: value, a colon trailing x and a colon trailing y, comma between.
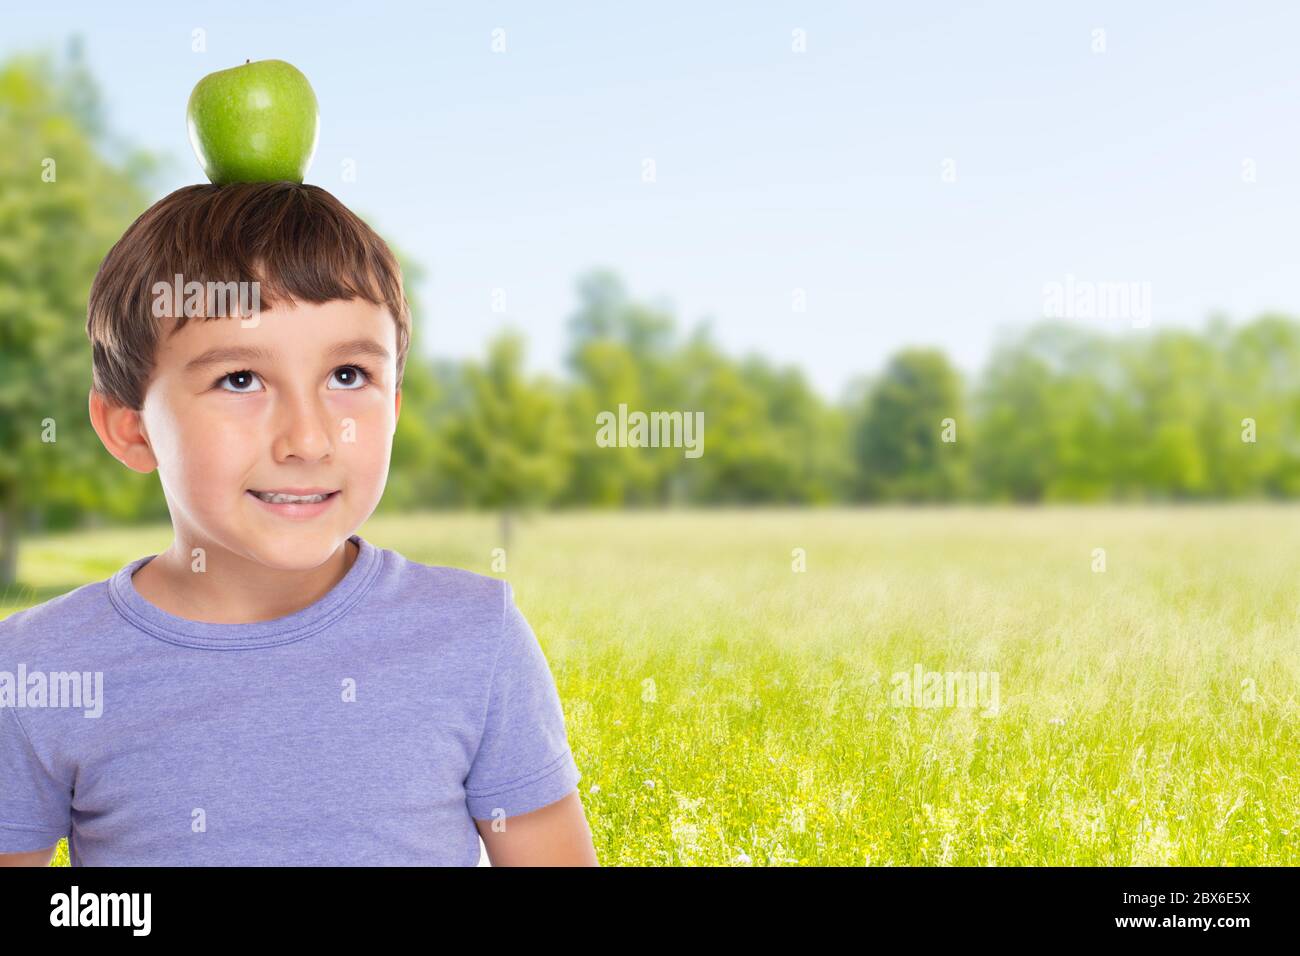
x: 523, y: 761
x: 35, y: 809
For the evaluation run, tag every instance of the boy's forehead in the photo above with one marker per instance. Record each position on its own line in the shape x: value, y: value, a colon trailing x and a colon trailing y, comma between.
x: 284, y: 331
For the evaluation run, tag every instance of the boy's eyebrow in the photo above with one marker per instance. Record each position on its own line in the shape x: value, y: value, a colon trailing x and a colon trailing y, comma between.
x: 249, y: 353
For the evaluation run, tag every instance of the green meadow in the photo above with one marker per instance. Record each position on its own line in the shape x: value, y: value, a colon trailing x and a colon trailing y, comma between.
x: 726, y: 708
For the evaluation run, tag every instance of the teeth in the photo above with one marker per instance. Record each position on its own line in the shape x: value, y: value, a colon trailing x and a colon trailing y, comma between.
x: 279, y: 499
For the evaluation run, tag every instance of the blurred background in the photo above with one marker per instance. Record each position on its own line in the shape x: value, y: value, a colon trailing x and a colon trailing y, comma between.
x: 826, y: 229
x: 978, y: 256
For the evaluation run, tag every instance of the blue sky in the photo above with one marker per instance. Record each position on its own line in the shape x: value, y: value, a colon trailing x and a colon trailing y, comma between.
x: 775, y: 170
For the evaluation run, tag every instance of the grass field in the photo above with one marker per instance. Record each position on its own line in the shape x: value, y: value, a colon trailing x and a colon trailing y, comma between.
x: 727, y: 709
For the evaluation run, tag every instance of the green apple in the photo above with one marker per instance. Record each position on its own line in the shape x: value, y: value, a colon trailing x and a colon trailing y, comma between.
x: 254, y: 123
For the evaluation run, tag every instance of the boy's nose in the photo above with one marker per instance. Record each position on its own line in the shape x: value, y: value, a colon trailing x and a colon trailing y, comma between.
x: 306, y: 431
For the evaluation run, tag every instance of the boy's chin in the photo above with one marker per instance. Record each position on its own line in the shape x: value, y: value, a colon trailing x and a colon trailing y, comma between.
x: 295, y: 549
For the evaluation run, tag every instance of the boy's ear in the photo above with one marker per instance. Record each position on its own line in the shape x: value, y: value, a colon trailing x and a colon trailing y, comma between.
x: 397, y: 409
x: 122, y: 432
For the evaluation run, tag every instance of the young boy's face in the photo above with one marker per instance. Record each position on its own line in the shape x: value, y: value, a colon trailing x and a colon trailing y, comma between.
x: 301, y: 399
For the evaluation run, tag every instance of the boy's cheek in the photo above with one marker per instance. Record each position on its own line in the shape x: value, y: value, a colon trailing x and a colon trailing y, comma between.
x: 372, y: 431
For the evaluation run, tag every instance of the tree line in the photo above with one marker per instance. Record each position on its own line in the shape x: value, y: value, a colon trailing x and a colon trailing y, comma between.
x: 1060, y: 412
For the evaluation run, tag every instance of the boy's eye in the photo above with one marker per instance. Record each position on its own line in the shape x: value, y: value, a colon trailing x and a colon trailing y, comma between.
x: 350, y: 378
x: 242, y: 377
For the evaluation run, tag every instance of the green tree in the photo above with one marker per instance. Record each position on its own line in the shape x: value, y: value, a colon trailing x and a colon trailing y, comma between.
x: 900, y: 447
x: 1052, y: 418
x: 63, y: 203
x: 506, y: 439
x: 608, y: 375
x: 768, y: 436
x: 1174, y: 381
x: 1261, y: 382
x: 813, y: 436
x: 620, y: 352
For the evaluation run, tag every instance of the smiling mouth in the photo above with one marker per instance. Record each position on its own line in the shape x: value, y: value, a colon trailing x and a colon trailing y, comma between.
x: 280, y: 498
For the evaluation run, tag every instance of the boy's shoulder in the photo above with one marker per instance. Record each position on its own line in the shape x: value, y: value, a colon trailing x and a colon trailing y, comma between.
x: 83, y: 610
x: 448, y: 589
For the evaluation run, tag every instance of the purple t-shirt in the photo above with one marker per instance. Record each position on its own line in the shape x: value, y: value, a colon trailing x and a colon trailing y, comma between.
x: 365, y: 729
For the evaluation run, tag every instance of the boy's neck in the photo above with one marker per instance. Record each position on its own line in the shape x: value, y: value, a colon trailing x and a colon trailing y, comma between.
x: 242, y: 592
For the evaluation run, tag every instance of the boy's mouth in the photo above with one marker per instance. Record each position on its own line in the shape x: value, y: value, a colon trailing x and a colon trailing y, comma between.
x: 305, y: 496
x: 299, y: 505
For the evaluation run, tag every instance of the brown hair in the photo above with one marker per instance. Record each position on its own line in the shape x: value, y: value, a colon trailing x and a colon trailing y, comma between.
x: 295, y: 240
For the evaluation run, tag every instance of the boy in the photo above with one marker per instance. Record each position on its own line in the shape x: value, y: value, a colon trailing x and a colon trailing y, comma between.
x: 272, y: 689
